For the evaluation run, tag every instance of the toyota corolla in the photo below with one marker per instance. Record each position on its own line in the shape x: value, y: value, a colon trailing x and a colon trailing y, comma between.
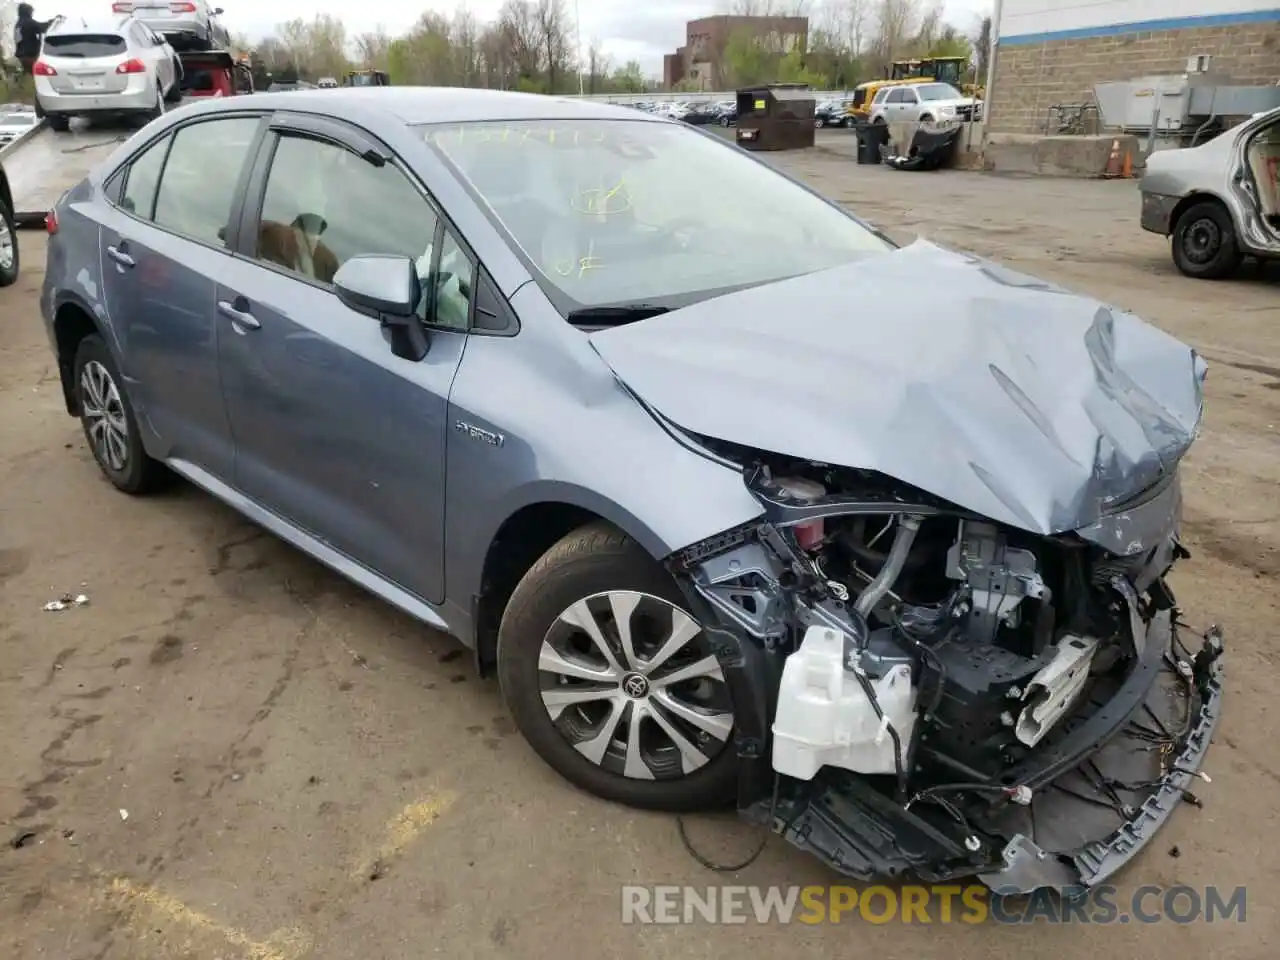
x: 734, y: 505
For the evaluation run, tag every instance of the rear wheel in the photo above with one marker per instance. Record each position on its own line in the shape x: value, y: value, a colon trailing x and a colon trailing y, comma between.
x: 612, y: 681
x: 109, y: 423
x: 9, y: 264
x: 57, y: 122
x: 1204, y: 242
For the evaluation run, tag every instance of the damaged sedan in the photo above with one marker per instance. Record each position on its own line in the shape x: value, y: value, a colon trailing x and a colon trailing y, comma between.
x: 735, y: 508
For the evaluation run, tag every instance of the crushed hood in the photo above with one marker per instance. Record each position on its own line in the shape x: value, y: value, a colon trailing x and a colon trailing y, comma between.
x: 1001, y: 393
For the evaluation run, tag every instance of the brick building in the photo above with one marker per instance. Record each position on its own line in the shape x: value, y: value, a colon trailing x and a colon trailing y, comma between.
x: 1051, y: 53
x: 699, y: 61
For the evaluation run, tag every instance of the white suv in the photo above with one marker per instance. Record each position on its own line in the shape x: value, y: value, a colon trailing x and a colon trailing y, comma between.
x: 923, y: 102
x: 115, y: 67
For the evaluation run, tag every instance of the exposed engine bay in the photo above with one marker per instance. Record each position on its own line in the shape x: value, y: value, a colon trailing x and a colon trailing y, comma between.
x: 932, y: 685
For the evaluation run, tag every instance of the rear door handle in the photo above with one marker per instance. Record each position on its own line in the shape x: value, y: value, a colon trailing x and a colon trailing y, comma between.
x: 120, y: 257
x: 239, y: 317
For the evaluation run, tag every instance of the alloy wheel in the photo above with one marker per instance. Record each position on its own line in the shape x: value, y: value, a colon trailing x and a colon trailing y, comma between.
x: 631, y: 682
x: 105, y: 422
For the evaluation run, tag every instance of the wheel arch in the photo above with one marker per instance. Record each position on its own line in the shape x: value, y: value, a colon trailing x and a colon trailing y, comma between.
x: 72, y: 322
x: 1189, y: 201
x: 6, y: 194
x: 522, y: 538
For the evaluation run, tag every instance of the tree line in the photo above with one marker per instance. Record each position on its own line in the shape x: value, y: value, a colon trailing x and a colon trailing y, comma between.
x: 531, y: 46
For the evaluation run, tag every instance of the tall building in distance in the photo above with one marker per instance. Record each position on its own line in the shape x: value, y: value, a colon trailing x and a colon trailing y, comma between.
x: 699, y: 63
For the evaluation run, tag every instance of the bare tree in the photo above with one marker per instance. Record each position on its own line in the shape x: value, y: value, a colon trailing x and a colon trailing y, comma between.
x: 372, y: 48
x: 597, y: 66
x: 520, y: 39
x: 894, y: 22
x: 982, y: 49
x: 553, y: 33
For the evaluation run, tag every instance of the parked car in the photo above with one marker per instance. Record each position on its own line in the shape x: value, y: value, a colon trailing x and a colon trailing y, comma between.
x: 9, y: 261
x: 327, y: 83
x: 923, y: 102
x: 1194, y: 197
x: 14, y: 123
x: 831, y: 113
x: 106, y: 68
x: 700, y: 114
x: 728, y: 112
x: 187, y: 25
x: 717, y: 534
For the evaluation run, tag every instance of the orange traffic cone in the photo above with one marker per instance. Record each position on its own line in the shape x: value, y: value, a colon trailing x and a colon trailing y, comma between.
x: 1126, y: 171
x: 1113, y: 161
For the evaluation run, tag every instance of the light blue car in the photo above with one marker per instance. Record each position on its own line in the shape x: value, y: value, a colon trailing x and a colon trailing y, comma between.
x: 741, y: 502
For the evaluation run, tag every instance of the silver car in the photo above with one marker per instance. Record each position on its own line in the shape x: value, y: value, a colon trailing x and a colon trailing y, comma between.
x: 109, y: 67
x: 1220, y: 201
x: 923, y: 102
x: 187, y: 24
x: 514, y: 364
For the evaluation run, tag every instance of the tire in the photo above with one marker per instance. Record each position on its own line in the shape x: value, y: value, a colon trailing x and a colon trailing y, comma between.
x: 570, y: 580
x: 927, y: 118
x: 58, y: 123
x: 819, y: 122
x: 1204, y: 242
x: 175, y: 92
x: 879, y: 121
x: 99, y: 388
x: 10, y: 264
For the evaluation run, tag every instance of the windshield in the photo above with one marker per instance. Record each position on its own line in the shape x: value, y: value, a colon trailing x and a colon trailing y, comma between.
x: 361, y: 80
x: 615, y: 211
x: 938, y: 91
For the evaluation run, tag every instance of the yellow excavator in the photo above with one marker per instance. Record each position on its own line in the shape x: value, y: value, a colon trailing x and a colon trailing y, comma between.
x: 950, y: 70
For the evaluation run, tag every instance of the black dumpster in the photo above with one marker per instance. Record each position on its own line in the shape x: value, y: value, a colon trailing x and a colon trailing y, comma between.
x: 777, y: 116
x: 871, y: 137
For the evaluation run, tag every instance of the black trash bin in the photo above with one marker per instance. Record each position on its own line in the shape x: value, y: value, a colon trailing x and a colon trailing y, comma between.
x: 871, y: 137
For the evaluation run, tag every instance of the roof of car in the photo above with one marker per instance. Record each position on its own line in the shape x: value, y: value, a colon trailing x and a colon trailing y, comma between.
x: 95, y: 24
x: 440, y: 104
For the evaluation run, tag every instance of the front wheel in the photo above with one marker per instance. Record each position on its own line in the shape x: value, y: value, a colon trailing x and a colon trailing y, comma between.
x: 611, y: 679
x: 819, y: 122
x: 175, y: 92
x: 1204, y: 242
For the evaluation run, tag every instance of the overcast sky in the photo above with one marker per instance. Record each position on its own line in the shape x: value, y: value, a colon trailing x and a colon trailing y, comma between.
x: 627, y: 29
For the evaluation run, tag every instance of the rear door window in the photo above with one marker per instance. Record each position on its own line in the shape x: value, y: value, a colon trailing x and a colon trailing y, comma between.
x: 201, y: 175
x: 139, y: 196
x: 85, y: 46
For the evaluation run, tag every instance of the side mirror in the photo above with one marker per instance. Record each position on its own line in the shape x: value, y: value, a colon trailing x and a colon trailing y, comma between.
x: 387, y: 289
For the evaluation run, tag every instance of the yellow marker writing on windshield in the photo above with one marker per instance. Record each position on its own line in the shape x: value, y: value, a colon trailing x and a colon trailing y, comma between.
x: 568, y: 266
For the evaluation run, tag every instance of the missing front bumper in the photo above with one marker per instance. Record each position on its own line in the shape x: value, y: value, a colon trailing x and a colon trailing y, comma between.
x: 1095, y: 804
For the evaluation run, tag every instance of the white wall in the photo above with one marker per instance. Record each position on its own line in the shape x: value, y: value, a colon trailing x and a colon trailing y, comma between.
x: 1024, y: 17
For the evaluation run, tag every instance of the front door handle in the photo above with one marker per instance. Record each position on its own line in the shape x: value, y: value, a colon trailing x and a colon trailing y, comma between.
x: 120, y: 257
x: 239, y: 317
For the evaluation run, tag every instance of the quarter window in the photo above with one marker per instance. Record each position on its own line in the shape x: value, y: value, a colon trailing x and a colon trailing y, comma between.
x: 200, y: 177
x: 143, y: 178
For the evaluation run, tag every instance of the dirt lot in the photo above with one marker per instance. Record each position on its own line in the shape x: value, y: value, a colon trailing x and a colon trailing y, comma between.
x: 278, y: 738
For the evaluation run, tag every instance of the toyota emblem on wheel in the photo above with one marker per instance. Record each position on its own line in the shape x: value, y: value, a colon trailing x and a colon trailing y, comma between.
x: 636, y: 686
